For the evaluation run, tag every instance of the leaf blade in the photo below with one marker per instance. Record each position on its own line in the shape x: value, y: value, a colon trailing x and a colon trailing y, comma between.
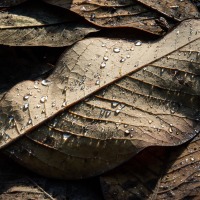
x: 166, y: 114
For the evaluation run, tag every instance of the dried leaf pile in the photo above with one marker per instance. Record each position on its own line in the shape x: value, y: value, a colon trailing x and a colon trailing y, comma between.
x: 87, y: 86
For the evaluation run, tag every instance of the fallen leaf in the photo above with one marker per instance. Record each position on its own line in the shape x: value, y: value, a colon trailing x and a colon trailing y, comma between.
x: 157, y: 173
x: 41, y: 25
x: 40, y: 14
x: 53, y: 36
x: 152, y: 99
x: 18, y: 183
x: 8, y: 3
x: 146, y: 15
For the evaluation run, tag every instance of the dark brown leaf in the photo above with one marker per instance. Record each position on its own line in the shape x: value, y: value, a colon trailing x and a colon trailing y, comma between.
x: 151, y: 16
x: 18, y: 183
x: 8, y: 3
x: 155, y: 103
x: 157, y: 173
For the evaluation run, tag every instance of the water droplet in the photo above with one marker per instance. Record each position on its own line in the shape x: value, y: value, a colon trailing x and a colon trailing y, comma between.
x: 105, y: 58
x: 117, y: 112
x: 65, y: 136
x: 127, y: 131
x: 150, y: 121
x: 114, y: 104
x: 64, y: 104
x: 26, y: 105
x: 103, y: 65
x: 53, y: 104
x: 192, y: 159
x: 122, y: 59
x: 116, y: 50
x: 108, y: 113
x: 97, y: 82
x: 102, y: 111
x: 138, y: 43
x: 170, y: 130
x: 45, y: 82
x: 43, y: 99
x: 26, y: 97
x: 83, y: 8
x: 29, y: 121
x: 122, y: 106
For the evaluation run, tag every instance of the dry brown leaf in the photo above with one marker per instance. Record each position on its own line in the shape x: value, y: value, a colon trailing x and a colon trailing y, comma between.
x: 151, y: 16
x: 40, y: 14
x: 157, y: 173
x: 155, y: 103
x: 61, y: 35
x: 41, y: 25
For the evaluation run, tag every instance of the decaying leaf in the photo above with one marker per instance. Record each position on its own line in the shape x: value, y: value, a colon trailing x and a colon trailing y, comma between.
x: 53, y: 36
x: 41, y: 25
x: 18, y: 183
x: 40, y: 14
x: 157, y: 173
x: 151, y: 16
x: 8, y: 3
x: 152, y: 98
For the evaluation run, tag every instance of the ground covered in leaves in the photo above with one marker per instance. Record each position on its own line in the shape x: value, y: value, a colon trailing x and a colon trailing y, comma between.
x: 102, y: 91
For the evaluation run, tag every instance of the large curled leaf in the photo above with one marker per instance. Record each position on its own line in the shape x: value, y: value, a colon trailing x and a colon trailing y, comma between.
x: 146, y: 15
x: 157, y: 173
x: 41, y: 25
x: 155, y: 103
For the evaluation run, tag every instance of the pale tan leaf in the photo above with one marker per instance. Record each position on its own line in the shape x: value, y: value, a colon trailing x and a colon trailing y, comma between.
x: 41, y: 25
x: 61, y: 35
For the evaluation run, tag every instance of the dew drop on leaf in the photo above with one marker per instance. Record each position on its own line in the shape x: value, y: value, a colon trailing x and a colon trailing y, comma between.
x: 122, y: 59
x: 26, y: 105
x: 43, y: 99
x: 45, y: 82
x: 116, y: 50
x: 97, y: 82
x: 108, y: 113
x: 138, y: 43
x: 114, y: 104
x: 65, y: 136
x: 117, y: 112
x: 103, y: 65
x: 26, y: 97
x: 105, y: 58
